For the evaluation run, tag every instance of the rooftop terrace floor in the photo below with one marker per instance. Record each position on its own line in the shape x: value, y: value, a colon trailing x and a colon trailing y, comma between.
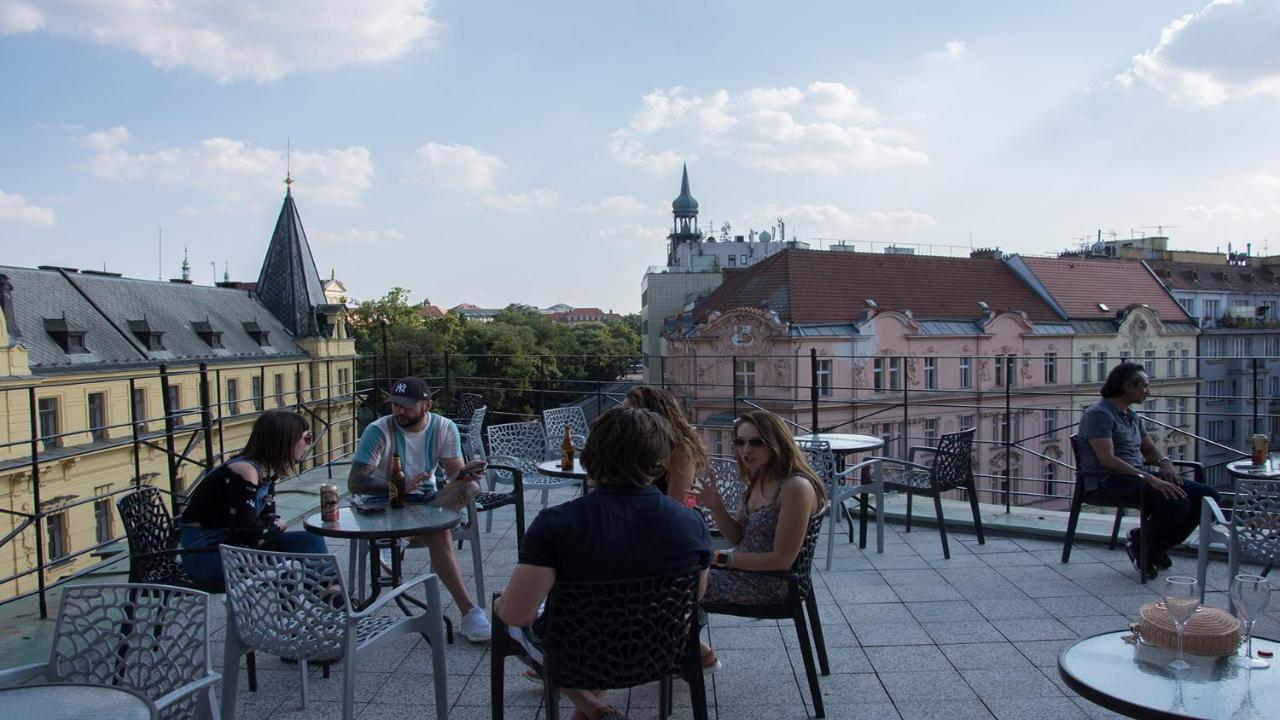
x: 909, y: 634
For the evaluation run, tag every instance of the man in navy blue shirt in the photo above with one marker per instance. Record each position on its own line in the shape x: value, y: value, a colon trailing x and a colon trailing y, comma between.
x: 624, y: 529
x: 1118, y: 458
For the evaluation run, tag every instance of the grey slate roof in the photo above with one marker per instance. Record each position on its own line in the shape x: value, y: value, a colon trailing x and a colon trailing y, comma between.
x: 823, y: 330
x: 289, y: 285
x: 104, y: 306
x: 949, y: 327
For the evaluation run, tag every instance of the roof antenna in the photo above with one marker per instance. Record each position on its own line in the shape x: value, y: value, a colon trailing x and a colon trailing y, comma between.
x: 288, y: 166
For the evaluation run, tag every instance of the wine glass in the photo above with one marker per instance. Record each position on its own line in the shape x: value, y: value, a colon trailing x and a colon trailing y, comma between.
x: 1181, y: 599
x: 1250, y: 594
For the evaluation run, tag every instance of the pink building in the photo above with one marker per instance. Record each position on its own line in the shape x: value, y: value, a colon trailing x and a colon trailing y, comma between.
x: 906, y: 347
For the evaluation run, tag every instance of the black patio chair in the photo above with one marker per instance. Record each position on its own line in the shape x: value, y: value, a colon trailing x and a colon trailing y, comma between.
x: 613, y: 634
x: 952, y: 468
x: 799, y: 600
x: 153, y: 551
x: 1077, y: 500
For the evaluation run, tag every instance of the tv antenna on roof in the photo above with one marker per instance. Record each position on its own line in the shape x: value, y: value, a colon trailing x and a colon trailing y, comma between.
x: 1159, y: 228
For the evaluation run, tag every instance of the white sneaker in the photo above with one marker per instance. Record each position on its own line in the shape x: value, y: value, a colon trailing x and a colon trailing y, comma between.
x: 475, y: 626
x: 384, y: 555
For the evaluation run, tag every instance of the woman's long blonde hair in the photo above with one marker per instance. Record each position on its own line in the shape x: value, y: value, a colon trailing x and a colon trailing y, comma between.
x: 785, y: 458
x: 684, y: 437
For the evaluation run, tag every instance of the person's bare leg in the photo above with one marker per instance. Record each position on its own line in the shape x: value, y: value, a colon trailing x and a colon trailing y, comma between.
x: 588, y: 702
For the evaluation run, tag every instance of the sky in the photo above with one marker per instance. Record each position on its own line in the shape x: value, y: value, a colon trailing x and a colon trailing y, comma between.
x: 493, y: 152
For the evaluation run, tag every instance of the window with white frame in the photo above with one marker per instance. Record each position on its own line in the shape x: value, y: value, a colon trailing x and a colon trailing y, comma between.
x: 823, y: 372
x: 1183, y: 418
x: 1171, y: 365
x: 717, y: 442
x: 877, y: 375
x: 1050, y: 476
x: 1214, y: 429
x: 1215, y: 389
x: 931, y: 373
x: 1050, y: 423
x: 744, y: 378
x: 1149, y: 363
x: 1188, y: 303
x: 966, y: 373
x: 139, y: 401
x: 56, y: 536
x: 966, y: 422
x: 1102, y: 367
x: 98, y: 415
x: 1211, y: 309
x: 47, y: 414
x: 1186, y: 363
x: 1241, y: 346
x: 233, y: 396
x: 1086, y: 365
x: 1051, y: 368
x: 930, y: 431
x: 895, y: 373
x: 103, y: 514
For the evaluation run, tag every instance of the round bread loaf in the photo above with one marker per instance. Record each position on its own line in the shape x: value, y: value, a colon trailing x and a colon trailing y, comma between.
x: 1210, y: 631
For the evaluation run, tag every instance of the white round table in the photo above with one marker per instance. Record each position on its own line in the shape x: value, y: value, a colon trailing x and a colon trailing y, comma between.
x: 846, y: 443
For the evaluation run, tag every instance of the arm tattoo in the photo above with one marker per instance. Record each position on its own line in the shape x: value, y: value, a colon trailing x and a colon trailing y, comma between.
x: 364, y: 480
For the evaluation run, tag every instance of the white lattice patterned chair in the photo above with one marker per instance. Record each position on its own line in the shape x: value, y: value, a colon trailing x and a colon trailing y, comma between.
x: 294, y: 605
x: 523, y: 445
x: 1252, y: 535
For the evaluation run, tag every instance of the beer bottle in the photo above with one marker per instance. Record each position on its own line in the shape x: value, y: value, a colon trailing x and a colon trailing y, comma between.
x: 566, y: 451
x: 395, y: 482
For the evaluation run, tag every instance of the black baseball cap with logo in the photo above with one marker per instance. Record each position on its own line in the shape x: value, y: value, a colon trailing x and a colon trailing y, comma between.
x: 409, y: 391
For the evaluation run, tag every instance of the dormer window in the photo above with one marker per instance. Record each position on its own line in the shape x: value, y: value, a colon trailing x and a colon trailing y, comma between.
x: 69, y: 338
x: 149, y: 336
x: 211, y: 337
x: 257, y: 334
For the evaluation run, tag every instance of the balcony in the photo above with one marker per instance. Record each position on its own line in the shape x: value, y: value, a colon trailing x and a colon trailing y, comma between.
x: 909, y: 634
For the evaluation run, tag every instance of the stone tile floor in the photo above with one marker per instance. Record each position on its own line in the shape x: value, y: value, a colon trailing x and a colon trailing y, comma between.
x: 909, y: 634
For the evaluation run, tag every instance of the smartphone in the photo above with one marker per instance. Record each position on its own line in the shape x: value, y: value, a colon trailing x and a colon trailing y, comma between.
x: 369, y: 509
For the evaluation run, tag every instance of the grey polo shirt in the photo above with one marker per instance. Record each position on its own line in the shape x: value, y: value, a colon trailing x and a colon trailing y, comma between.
x: 1104, y: 420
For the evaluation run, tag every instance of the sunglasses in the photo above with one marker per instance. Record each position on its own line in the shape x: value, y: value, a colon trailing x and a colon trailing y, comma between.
x: 755, y: 442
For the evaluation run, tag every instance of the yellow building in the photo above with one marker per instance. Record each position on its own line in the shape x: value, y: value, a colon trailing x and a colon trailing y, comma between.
x: 101, y: 376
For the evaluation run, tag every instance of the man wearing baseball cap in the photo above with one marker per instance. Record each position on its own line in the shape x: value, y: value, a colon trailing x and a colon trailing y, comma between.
x: 424, y: 440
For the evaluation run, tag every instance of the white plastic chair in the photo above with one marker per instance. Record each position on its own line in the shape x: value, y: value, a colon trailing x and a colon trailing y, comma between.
x: 1252, y: 535
x: 522, y: 445
x: 556, y: 418
x: 294, y: 605
x: 153, y: 639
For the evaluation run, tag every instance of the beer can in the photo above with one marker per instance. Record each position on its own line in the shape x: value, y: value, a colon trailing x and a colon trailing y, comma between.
x: 329, y: 503
x: 1259, y: 449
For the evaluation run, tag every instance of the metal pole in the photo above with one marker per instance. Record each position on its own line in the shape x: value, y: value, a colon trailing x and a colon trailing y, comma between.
x: 35, y: 499
x: 1008, y: 442
x: 222, y: 438
x: 1254, y: 424
x: 813, y: 389
x: 168, y: 439
x: 906, y: 404
x: 206, y: 416
x: 328, y: 417
x: 734, y: 386
x: 662, y: 371
x: 137, y: 445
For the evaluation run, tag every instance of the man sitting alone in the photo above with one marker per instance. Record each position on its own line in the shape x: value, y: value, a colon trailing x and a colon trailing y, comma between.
x: 424, y: 440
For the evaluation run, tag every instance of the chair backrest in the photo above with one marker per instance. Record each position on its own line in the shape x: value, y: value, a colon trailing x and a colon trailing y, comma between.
x: 819, y: 456
x: 474, y: 449
x: 150, y: 529
x: 1255, y: 520
x: 802, y: 567
x: 467, y: 404
x: 150, y: 638
x: 1075, y: 460
x: 287, y: 604
x: 525, y: 441
x: 555, y: 420
x: 953, y: 463
x: 620, y: 633
x: 724, y: 472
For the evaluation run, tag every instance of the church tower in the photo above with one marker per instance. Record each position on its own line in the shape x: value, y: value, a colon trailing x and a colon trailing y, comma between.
x: 684, y: 227
x: 288, y: 284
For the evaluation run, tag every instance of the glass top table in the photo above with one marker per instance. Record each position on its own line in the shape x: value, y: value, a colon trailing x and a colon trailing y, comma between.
x: 1246, y: 470
x: 1134, y: 679
x: 843, y: 443
x: 75, y: 702
x: 551, y: 468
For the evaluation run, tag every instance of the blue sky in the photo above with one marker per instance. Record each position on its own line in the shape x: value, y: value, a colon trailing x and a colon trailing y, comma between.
x: 494, y: 152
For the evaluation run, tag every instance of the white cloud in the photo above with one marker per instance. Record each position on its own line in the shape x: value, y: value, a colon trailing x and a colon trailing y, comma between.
x: 618, y: 205
x: 1226, y: 211
x: 230, y: 41
x: 1266, y: 183
x: 824, y: 127
x: 449, y: 166
x: 233, y: 172
x: 953, y: 50
x: 14, y: 209
x: 1226, y: 51
x: 820, y: 220
x: 521, y: 201
x: 359, y: 236
x: 632, y: 234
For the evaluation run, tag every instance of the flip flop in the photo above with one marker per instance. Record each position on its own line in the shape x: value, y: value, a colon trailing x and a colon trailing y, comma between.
x: 710, y: 663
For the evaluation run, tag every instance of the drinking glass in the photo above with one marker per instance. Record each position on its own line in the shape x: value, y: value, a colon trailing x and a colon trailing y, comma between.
x: 1250, y: 594
x: 1181, y: 599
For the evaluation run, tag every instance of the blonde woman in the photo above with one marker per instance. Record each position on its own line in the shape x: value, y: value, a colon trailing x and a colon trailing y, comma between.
x: 767, y: 532
x: 688, y: 458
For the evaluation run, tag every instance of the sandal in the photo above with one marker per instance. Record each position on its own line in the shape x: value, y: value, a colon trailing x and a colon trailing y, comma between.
x: 710, y: 663
x: 532, y: 676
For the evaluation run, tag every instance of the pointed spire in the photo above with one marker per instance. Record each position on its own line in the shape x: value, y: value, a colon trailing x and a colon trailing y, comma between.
x: 288, y: 284
x: 186, y: 266
x: 685, y: 205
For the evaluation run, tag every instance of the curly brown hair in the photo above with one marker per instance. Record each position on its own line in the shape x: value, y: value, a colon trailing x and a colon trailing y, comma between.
x: 785, y: 458
x: 664, y: 403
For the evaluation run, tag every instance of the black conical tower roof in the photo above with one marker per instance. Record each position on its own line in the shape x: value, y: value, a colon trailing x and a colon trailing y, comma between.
x: 685, y: 205
x: 288, y: 284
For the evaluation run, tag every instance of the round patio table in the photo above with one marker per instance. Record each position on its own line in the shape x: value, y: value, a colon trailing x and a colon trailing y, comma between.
x: 1246, y: 470
x: 412, y: 520
x: 551, y: 468
x: 1134, y: 680
x: 842, y: 445
x: 75, y: 702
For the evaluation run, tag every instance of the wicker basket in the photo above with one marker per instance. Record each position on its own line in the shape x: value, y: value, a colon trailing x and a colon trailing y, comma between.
x: 1210, y: 631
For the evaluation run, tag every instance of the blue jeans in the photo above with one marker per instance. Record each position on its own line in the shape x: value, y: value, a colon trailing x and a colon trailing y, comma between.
x: 206, y: 567
x: 1169, y: 520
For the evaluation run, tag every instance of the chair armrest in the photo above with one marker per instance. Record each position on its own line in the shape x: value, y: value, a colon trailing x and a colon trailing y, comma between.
x: 22, y: 673
x: 1197, y: 469
x: 902, y: 463
x: 504, y: 462
x: 911, y: 453
x: 387, y: 597
x: 177, y: 551
x: 780, y: 574
x: 189, y: 689
x: 844, y: 474
x: 1211, y: 505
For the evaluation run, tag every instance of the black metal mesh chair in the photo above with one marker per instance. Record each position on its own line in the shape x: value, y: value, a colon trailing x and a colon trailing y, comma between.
x: 153, y: 550
x: 799, y: 600
x: 952, y: 469
x: 466, y: 404
x: 613, y: 634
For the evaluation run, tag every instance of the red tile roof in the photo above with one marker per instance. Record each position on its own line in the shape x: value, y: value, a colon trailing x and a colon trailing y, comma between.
x: 812, y: 286
x: 1079, y: 285
x: 1203, y: 276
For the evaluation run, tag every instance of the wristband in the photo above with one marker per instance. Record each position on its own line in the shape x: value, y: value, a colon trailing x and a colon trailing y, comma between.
x: 1165, y: 459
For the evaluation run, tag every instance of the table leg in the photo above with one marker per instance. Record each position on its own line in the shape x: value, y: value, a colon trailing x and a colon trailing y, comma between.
x: 397, y: 574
